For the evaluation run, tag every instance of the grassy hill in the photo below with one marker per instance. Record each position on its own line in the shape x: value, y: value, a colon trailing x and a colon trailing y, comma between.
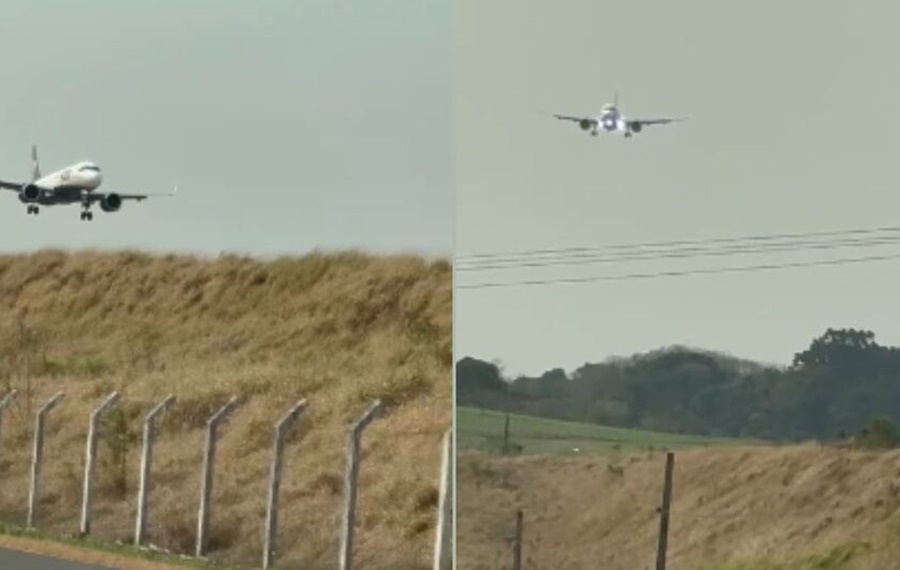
x: 797, y: 507
x: 737, y: 505
x: 483, y: 429
x: 337, y: 329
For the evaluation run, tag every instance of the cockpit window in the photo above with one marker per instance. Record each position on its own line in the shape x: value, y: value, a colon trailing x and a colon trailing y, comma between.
x: 89, y: 168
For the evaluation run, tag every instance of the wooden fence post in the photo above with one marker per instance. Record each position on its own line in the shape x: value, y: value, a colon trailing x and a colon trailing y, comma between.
x: 664, y: 513
x: 517, y: 541
x: 506, y: 435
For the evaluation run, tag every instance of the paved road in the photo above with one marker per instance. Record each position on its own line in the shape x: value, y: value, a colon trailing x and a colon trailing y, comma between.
x: 13, y: 559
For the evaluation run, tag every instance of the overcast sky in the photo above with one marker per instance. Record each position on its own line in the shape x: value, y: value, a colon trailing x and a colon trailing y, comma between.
x: 793, y: 127
x: 287, y: 124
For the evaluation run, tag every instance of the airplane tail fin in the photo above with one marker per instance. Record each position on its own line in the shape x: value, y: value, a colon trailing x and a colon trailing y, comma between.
x: 36, y: 165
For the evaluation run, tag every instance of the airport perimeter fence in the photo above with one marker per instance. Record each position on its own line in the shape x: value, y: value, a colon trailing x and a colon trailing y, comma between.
x: 443, y: 546
x: 517, y: 540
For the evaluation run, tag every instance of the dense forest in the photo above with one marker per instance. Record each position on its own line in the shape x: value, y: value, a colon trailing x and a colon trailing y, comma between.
x: 841, y: 382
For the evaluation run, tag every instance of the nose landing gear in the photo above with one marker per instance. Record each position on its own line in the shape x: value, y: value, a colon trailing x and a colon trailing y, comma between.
x: 32, y: 209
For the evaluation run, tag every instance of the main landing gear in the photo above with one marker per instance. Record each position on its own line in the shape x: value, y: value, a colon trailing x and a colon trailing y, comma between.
x: 86, y: 214
x: 32, y: 209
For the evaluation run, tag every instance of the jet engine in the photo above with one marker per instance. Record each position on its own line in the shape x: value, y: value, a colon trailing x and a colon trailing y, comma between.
x: 29, y: 193
x: 635, y: 127
x: 586, y: 124
x: 111, y: 203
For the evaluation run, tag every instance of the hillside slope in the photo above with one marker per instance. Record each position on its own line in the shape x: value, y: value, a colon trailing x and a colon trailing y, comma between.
x: 788, y: 508
x: 337, y: 329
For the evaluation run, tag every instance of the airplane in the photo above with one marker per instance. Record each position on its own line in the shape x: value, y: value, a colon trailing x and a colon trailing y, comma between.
x: 611, y: 120
x: 73, y: 184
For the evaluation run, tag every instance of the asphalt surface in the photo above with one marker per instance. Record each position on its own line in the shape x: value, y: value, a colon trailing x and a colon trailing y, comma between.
x: 15, y: 560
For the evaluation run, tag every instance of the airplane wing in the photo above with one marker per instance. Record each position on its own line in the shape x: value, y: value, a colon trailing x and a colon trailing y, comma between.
x: 97, y: 196
x: 10, y: 186
x: 645, y: 122
x: 575, y: 119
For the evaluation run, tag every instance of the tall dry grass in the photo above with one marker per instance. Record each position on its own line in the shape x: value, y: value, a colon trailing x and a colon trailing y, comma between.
x: 756, y: 508
x: 338, y: 329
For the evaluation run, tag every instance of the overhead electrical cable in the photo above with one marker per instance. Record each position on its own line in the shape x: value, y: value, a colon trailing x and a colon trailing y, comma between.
x: 773, y: 243
x: 581, y: 250
x: 681, y: 253
x: 680, y: 273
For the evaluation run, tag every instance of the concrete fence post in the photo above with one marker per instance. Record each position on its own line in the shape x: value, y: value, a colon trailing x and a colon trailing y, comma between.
x: 281, y: 428
x: 4, y: 403
x: 150, y: 426
x: 37, y: 458
x: 443, y: 547
x: 90, y: 457
x: 209, y: 458
x: 350, y: 485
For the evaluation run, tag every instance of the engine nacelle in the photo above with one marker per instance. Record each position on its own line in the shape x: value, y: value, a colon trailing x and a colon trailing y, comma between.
x: 29, y: 194
x: 586, y: 124
x: 111, y: 203
x: 635, y: 127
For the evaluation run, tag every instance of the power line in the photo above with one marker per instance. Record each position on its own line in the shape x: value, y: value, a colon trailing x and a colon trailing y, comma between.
x: 661, y: 274
x: 682, y: 253
x: 672, y: 243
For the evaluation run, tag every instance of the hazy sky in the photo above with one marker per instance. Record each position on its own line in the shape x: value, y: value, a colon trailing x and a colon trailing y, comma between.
x: 287, y: 125
x: 793, y: 127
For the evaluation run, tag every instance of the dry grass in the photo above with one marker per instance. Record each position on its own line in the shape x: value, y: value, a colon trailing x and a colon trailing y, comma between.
x: 338, y: 329
x: 787, y: 508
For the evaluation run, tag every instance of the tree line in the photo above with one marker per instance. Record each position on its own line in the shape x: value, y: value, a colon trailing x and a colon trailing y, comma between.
x: 834, y: 388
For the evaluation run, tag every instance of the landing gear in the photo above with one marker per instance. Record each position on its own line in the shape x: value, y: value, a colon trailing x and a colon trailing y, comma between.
x: 86, y: 214
x: 32, y: 209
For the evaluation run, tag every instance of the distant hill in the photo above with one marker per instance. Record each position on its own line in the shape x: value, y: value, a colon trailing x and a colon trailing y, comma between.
x: 835, y: 387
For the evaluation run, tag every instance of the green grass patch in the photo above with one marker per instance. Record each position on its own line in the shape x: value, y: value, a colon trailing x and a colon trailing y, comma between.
x: 483, y: 429
x: 836, y: 558
x: 118, y: 549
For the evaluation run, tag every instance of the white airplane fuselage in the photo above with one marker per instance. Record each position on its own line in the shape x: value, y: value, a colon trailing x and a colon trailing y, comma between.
x: 83, y: 175
x: 69, y: 184
x: 610, y: 120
